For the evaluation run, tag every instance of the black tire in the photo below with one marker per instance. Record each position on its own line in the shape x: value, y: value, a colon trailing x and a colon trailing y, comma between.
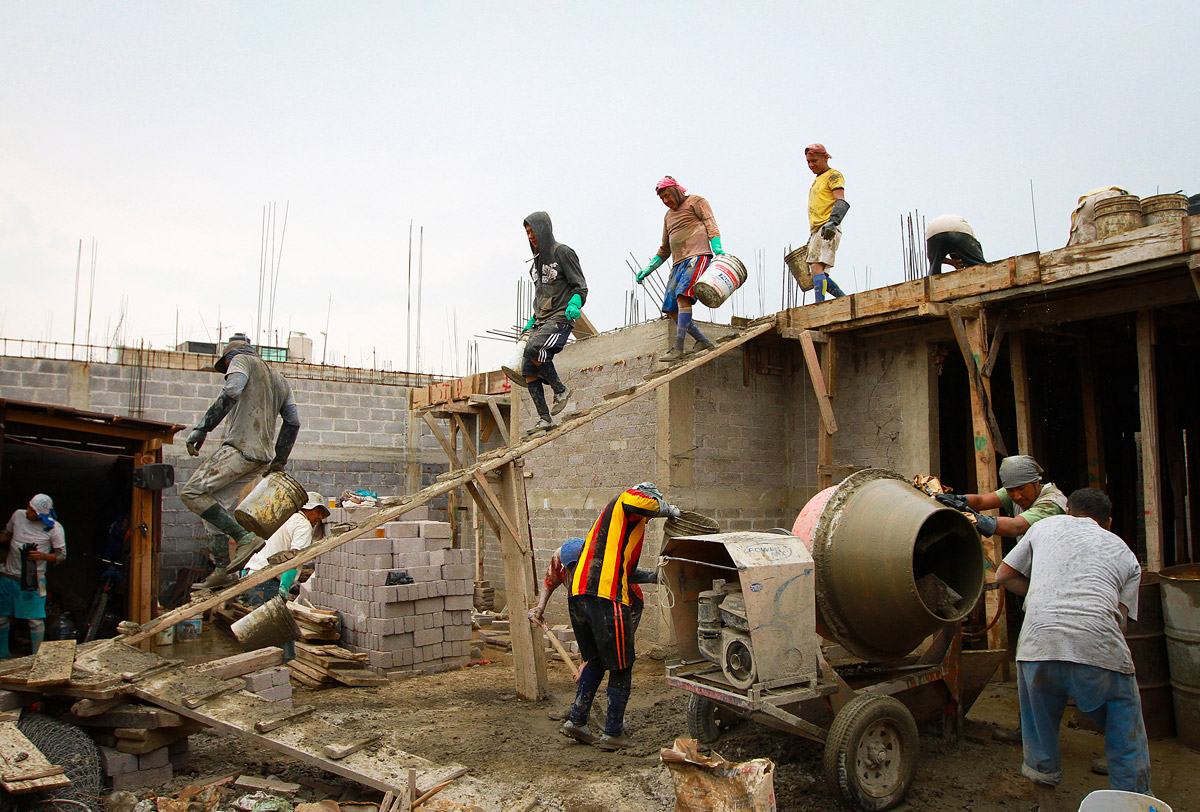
x: 706, y: 720
x: 871, y: 753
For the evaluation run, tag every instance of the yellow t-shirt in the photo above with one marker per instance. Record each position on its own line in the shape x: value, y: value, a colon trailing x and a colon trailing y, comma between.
x: 820, y: 197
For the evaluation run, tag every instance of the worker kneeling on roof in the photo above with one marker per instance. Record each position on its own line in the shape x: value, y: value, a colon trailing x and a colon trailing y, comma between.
x: 600, y: 606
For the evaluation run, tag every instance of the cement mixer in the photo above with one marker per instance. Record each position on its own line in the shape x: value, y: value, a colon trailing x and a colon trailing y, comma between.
x: 846, y: 630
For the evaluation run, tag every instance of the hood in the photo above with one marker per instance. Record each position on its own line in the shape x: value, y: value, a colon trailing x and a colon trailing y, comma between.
x: 232, y: 349
x: 543, y: 231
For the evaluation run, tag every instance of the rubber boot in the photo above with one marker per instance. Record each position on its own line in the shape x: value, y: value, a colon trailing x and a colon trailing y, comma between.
x: 218, y: 550
x: 576, y: 727
x: 614, y: 737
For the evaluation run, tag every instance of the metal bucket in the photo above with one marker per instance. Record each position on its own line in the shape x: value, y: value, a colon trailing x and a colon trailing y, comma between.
x: 1164, y: 208
x: 269, y: 625
x: 892, y: 565
x: 516, y: 361
x: 273, y: 501
x: 1118, y: 214
x: 690, y: 524
x: 720, y: 279
x: 1181, y: 621
x: 797, y: 264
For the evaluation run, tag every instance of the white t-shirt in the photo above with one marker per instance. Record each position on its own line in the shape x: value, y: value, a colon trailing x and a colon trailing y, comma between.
x: 947, y: 223
x: 27, y: 532
x: 296, y: 534
x: 1078, y: 573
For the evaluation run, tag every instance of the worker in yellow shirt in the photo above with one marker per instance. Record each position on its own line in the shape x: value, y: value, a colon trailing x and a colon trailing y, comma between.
x: 827, y: 208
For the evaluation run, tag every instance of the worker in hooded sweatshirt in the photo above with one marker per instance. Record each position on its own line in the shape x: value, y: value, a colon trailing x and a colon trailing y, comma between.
x: 253, y: 395
x: 559, y: 291
x: 691, y: 238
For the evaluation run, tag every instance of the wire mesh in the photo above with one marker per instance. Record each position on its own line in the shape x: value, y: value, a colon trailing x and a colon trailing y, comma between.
x: 68, y: 746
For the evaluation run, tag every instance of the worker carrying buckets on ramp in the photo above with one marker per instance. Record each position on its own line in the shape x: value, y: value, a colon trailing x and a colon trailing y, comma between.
x: 701, y: 270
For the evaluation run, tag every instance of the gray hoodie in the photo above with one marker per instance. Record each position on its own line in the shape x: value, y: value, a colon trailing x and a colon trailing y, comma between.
x: 556, y: 272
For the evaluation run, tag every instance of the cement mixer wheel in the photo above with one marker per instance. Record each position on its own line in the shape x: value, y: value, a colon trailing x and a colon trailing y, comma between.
x: 706, y: 720
x: 871, y: 752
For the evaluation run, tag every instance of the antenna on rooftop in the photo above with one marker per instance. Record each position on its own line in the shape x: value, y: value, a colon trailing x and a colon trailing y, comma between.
x: 1033, y: 205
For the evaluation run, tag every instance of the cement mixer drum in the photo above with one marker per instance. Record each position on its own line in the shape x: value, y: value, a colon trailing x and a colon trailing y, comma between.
x: 892, y: 564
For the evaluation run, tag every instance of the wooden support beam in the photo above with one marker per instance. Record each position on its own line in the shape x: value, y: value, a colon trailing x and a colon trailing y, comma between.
x: 994, y: 349
x: 1020, y: 379
x: 501, y: 423
x: 818, y: 382
x: 494, y: 502
x: 973, y: 345
x: 520, y: 587
x: 487, y: 506
x: 824, y: 436
x: 1092, y: 432
x: 466, y: 435
x: 1148, y: 408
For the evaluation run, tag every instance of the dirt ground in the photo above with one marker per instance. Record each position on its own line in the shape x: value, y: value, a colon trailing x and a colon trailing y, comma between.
x: 515, y: 752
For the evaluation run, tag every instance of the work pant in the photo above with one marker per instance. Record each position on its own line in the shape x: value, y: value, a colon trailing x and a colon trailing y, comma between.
x: 961, y: 245
x: 218, y: 481
x: 1108, y: 698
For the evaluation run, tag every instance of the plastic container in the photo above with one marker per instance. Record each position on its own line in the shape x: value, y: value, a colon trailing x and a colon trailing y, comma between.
x: 720, y: 279
x: 272, y: 502
x: 188, y: 630
x: 516, y: 361
x: 269, y: 625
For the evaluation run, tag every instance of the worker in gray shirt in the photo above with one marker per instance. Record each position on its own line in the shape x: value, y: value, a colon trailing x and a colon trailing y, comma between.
x: 252, y: 396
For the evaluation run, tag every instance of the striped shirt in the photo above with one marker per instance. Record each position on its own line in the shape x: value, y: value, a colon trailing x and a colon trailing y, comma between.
x: 614, y: 546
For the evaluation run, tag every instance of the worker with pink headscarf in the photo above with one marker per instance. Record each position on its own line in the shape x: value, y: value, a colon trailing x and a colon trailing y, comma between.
x: 690, y: 238
x: 827, y: 208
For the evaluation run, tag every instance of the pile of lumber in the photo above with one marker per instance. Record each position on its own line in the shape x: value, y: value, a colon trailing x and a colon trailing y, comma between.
x: 134, y: 728
x: 316, y: 624
x: 318, y: 666
x: 23, y: 767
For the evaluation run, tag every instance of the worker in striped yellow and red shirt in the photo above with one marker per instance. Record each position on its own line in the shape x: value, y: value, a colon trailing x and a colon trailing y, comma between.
x: 600, y: 607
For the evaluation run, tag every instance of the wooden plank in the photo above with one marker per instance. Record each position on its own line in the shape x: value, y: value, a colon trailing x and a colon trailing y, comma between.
x: 997, y: 340
x: 339, y: 751
x: 1020, y: 379
x: 501, y: 423
x: 52, y: 664
x: 1148, y: 410
x: 972, y: 342
x: 393, y: 508
x: 23, y: 767
x: 583, y: 328
x: 520, y: 582
x: 497, y: 507
x: 824, y: 436
x: 818, y: 382
x: 1093, y: 449
x: 241, y: 664
x: 132, y: 716
x: 466, y: 435
x: 1158, y: 241
x: 292, y: 715
x: 970, y: 281
x: 890, y: 298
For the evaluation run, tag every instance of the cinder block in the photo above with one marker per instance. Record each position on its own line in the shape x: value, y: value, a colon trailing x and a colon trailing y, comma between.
x: 408, y: 545
x: 437, y: 557
x: 435, y: 530
x: 369, y: 546
x: 117, y: 763
x: 143, y: 778
x: 398, y: 594
x: 427, y: 637
x: 379, y: 659
x: 282, y: 675
x: 428, y: 605
x: 259, y: 680
x: 432, y: 544
x: 409, y: 560
x: 277, y: 693
x: 381, y: 625
x: 409, y: 623
x: 456, y: 633
x: 155, y: 758
x: 456, y: 572
x: 398, y: 642
x: 402, y: 530
x: 458, y: 602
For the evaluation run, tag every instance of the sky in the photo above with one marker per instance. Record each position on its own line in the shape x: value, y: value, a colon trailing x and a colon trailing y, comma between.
x: 160, y: 131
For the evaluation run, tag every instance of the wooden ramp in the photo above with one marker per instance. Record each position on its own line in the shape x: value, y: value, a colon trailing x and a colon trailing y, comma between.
x: 474, y: 474
x: 107, y: 671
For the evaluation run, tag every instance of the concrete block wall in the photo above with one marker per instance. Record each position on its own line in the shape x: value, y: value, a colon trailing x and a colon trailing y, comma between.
x: 425, y: 625
x: 353, y: 434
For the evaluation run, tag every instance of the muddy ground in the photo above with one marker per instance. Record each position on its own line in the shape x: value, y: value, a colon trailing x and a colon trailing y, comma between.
x: 514, y: 751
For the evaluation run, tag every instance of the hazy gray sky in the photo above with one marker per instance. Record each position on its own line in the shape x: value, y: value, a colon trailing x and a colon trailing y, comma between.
x: 161, y: 130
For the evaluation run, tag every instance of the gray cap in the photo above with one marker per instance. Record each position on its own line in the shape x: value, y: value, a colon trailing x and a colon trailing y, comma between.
x: 1019, y: 470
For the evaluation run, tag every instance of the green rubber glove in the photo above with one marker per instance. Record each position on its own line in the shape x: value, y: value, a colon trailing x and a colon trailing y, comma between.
x: 575, y: 307
x: 715, y: 245
x: 286, y: 580
x: 649, y: 269
x: 529, y: 324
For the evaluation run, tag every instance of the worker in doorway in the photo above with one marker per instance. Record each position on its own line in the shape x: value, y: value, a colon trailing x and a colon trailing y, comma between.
x: 1080, y: 584
x: 950, y: 240
x: 295, y: 535
x: 559, y: 291
x: 691, y: 239
x: 253, y: 395
x: 35, y: 538
x: 1023, y: 499
x: 561, y: 570
x: 827, y: 208
x: 600, y: 605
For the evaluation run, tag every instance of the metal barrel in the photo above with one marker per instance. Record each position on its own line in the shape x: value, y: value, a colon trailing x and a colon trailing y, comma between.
x: 1115, y: 215
x: 1181, y: 622
x: 892, y: 565
x: 272, y: 502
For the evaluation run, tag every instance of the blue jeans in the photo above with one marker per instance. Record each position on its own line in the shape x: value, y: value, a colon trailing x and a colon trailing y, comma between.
x: 1108, y: 698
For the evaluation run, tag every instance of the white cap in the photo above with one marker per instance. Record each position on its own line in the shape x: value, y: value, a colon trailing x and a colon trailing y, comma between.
x: 42, y: 504
x: 315, y: 500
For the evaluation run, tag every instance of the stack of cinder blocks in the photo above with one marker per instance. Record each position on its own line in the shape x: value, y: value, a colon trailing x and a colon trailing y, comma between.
x: 420, y: 626
x: 274, y: 684
x: 131, y: 771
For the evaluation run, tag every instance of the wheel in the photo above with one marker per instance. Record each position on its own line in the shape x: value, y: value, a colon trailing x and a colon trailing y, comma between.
x: 706, y: 720
x: 871, y: 752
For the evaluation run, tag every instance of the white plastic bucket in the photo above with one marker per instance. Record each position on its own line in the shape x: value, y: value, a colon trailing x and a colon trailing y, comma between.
x: 720, y: 279
x: 516, y: 360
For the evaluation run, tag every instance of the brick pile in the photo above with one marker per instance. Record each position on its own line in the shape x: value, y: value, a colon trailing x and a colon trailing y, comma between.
x: 274, y: 684
x: 130, y: 771
x: 422, y: 626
